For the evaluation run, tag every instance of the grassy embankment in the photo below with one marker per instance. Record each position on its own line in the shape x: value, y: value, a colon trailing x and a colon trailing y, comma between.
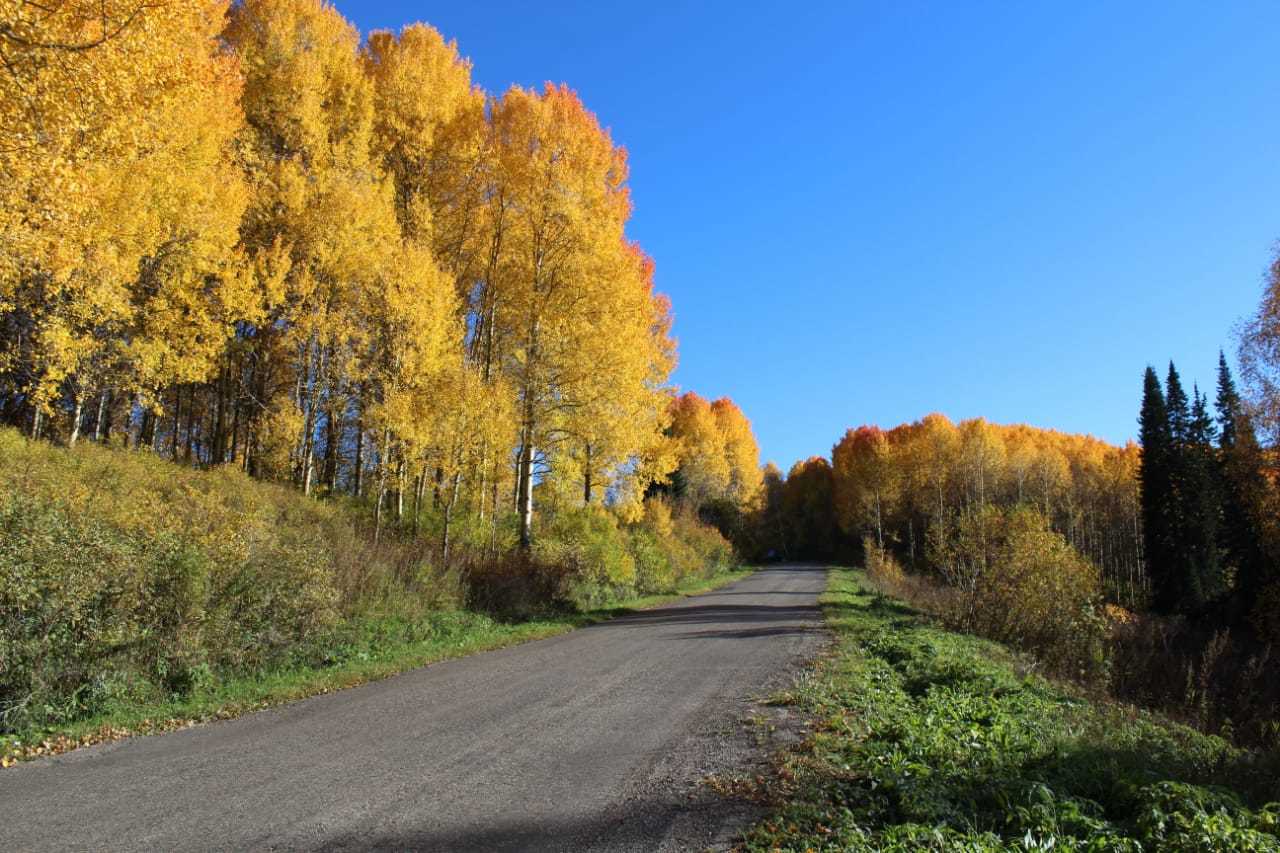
x: 931, y: 740
x: 139, y: 596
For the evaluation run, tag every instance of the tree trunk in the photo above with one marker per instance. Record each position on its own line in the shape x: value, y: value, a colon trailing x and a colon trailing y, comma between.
x: 448, y: 519
x: 107, y: 415
x: 235, y: 430
x: 191, y: 426
x: 358, y: 480
x: 97, y: 424
x: 586, y: 478
x: 481, y: 471
x: 75, y: 420
x: 419, y: 486
x: 218, y: 452
x: 382, y: 485
x: 400, y: 491
x: 524, y: 489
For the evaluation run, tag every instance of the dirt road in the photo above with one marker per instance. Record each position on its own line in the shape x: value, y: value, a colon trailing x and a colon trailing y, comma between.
x: 596, y: 739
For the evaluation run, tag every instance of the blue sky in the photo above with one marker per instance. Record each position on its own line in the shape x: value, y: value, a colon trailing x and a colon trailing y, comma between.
x: 864, y: 212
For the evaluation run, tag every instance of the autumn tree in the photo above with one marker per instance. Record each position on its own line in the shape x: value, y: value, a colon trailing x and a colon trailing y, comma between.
x: 245, y: 236
x: 704, y: 471
x: 1260, y: 356
x: 741, y: 452
x: 808, y: 509
x: 867, y: 481
x: 120, y: 206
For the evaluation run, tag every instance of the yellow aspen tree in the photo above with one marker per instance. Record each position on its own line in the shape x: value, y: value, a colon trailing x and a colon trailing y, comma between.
x: 616, y: 433
x: 120, y: 204
x: 562, y: 179
x: 420, y: 86
x: 704, y: 472
x: 746, y: 479
x: 867, y: 480
x: 319, y: 201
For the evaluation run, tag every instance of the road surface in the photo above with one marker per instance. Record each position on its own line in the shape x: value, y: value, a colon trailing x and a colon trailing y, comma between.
x: 593, y: 740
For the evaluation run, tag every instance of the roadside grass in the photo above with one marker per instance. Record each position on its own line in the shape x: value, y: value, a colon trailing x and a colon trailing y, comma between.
x: 361, y: 651
x: 926, y: 739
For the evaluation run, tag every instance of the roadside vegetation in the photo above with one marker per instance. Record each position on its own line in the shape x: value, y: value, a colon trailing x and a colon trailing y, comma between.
x: 136, y: 594
x: 927, y: 739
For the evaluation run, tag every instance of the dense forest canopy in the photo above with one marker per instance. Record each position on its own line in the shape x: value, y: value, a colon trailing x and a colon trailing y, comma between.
x: 243, y: 234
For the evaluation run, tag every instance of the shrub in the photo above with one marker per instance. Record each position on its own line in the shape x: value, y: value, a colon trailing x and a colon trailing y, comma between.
x: 122, y: 574
x: 882, y: 568
x: 1040, y: 594
x: 1018, y: 581
x: 591, y: 548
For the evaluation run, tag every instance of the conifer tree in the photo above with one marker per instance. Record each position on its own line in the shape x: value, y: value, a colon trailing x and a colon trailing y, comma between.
x: 1244, y: 487
x: 1202, y: 503
x: 1227, y: 404
x: 1156, y: 489
x: 1183, y: 568
x: 1178, y: 407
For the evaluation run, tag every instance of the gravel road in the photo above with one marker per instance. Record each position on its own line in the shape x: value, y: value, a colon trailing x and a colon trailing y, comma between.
x: 594, y: 740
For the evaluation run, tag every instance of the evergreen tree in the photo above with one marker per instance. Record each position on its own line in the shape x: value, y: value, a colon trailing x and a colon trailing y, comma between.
x: 1178, y: 407
x: 1202, y: 504
x: 1244, y: 488
x: 1184, y: 569
x: 1227, y: 404
x: 1156, y: 486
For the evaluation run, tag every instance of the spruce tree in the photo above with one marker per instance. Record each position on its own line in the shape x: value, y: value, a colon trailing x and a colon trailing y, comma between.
x: 1227, y: 404
x: 1156, y: 490
x: 1178, y: 407
x: 1202, y: 505
x: 1244, y: 488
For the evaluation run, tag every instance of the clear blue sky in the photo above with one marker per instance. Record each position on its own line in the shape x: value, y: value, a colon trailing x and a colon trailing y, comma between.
x: 864, y: 212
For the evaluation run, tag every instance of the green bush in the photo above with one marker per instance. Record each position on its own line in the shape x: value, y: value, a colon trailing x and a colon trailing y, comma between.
x: 591, y: 547
x: 125, y: 575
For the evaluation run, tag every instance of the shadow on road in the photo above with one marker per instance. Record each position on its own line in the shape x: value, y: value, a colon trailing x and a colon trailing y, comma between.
x: 719, y: 614
x: 644, y: 823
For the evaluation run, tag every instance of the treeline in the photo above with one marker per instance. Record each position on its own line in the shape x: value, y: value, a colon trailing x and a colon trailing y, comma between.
x: 239, y: 234
x: 912, y: 489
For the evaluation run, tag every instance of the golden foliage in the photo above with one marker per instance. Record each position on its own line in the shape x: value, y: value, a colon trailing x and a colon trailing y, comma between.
x: 237, y: 234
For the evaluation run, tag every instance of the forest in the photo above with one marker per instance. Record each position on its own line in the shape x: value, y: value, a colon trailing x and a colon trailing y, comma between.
x: 304, y: 338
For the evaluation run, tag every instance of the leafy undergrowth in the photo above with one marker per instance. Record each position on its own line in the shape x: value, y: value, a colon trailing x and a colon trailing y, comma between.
x: 364, y: 651
x: 931, y: 740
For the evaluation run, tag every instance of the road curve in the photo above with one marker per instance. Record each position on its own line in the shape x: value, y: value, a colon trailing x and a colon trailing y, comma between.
x: 590, y: 740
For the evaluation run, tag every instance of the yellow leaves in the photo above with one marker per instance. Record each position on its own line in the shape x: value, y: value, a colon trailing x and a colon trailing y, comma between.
x: 420, y: 85
x: 743, y: 454
x: 130, y: 181
x: 718, y: 455
x: 310, y: 236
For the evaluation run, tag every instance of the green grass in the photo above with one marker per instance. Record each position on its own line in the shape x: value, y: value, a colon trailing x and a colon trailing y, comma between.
x: 931, y: 740
x: 361, y: 651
